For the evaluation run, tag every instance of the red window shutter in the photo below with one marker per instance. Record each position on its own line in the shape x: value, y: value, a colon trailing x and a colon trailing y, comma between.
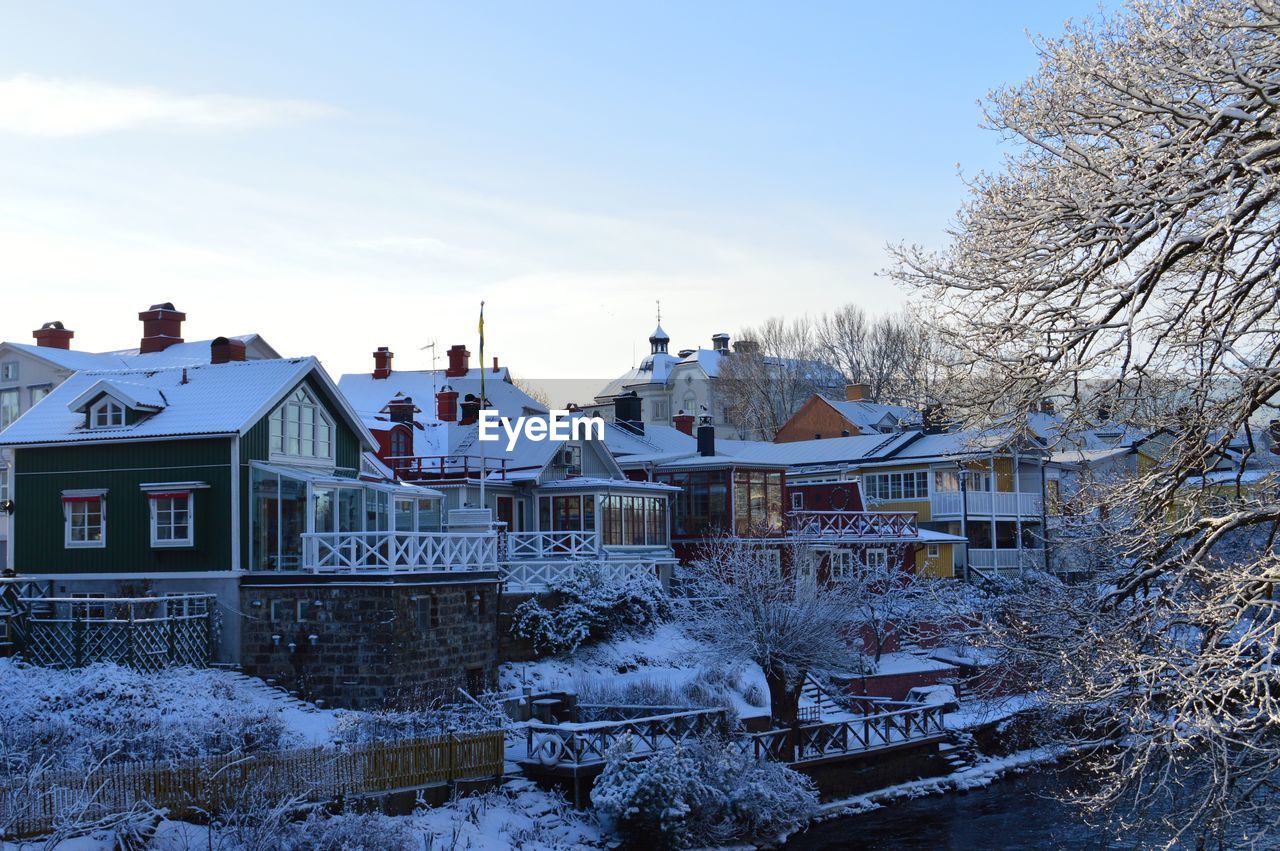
x: 82, y: 499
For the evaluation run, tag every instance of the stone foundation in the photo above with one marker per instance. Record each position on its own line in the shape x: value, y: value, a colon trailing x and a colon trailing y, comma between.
x: 373, y: 644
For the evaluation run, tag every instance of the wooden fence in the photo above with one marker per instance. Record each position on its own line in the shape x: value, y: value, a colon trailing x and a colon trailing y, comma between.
x: 189, y: 788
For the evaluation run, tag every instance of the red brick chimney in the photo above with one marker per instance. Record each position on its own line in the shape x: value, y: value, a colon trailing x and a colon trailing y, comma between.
x: 51, y: 335
x: 471, y: 405
x: 401, y: 409
x: 382, y: 362
x: 161, y: 327
x: 495, y: 364
x: 226, y: 350
x: 459, y: 361
x: 447, y: 405
x: 684, y: 422
x: 856, y: 392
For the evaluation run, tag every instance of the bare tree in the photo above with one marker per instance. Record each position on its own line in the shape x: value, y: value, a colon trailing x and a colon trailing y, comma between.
x: 900, y: 357
x: 743, y: 605
x: 1130, y: 244
x: 774, y: 369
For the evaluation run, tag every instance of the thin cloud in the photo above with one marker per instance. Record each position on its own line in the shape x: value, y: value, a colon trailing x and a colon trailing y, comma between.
x: 38, y: 106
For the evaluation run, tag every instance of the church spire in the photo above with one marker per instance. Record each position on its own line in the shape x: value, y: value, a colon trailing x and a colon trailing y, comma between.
x: 658, y: 339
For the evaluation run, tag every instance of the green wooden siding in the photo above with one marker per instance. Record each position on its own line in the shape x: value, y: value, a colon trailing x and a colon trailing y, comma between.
x: 41, y: 475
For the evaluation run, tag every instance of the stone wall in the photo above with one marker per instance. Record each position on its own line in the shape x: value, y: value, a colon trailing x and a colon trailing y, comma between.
x: 372, y: 645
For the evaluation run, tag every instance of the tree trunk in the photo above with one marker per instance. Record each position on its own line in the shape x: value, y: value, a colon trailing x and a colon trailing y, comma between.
x: 784, y: 698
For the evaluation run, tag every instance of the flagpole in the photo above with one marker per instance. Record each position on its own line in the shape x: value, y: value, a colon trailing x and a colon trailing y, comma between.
x: 484, y: 474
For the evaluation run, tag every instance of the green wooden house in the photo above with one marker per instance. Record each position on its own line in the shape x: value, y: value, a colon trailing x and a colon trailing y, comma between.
x: 228, y: 487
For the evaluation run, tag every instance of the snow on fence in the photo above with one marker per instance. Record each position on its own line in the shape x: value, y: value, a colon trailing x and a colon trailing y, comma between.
x: 148, y: 633
x: 811, y: 742
x: 398, y: 552
x: 527, y: 576
x: 190, y: 788
x: 589, y: 744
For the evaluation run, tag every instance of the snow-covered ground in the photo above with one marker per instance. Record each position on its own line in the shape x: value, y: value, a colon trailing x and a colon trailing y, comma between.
x: 665, y: 666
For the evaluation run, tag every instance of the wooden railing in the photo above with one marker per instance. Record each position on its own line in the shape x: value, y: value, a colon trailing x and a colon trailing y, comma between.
x: 808, y: 742
x: 450, y: 467
x: 576, y: 746
x: 1006, y: 561
x: 531, y: 576
x: 985, y: 503
x: 538, y: 545
x: 398, y: 552
x: 854, y: 525
x: 190, y: 788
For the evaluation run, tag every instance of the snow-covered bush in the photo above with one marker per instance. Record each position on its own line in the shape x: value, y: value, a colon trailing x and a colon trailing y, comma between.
x: 590, y: 609
x: 74, y: 719
x: 351, y: 832
x: 706, y: 792
x: 432, y: 718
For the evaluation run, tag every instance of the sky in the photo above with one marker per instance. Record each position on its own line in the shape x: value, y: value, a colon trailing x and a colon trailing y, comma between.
x: 339, y: 176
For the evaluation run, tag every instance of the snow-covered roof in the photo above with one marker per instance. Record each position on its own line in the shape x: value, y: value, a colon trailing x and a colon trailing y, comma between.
x: 179, y: 354
x: 870, y: 416
x: 369, y: 395
x: 827, y: 451
x: 133, y: 394
x: 657, y: 439
x: 201, y: 399
x: 591, y: 483
x: 929, y: 536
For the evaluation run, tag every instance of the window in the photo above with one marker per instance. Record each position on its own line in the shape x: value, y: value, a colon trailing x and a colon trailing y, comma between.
x: 797, y: 501
x: 933, y: 550
x: 8, y: 407
x: 401, y: 443
x: 841, y: 564
x: 636, y: 521
x: 659, y: 411
x: 301, y: 429
x: 107, y: 413
x: 38, y: 393
x: 4, y: 483
x: 427, y: 612
x: 89, y: 611
x: 86, y: 520
x: 280, y: 611
x: 9, y: 371
x: 757, y: 502
x: 171, y: 521
x: 894, y: 486
x: 877, y: 558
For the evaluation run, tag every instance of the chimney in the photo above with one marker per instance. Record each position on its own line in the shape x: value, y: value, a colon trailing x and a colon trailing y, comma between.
x: 684, y: 423
x: 720, y: 342
x: 161, y: 327
x: 684, y: 353
x: 401, y: 409
x: 470, y: 409
x: 51, y: 335
x: 626, y: 412
x: 856, y: 392
x: 447, y: 405
x: 382, y: 362
x: 1104, y: 411
x: 1046, y: 406
x: 226, y: 350
x: 495, y: 364
x: 743, y: 347
x: 932, y: 419
x: 706, y: 438
x: 459, y: 361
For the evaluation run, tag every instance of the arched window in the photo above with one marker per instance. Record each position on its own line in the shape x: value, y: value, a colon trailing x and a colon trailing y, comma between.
x: 401, y: 443
x: 300, y: 428
x: 107, y: 413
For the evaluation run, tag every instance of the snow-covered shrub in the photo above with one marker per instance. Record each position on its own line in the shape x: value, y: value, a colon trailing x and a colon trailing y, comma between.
x: 432, y: 718
x: 706, y: 792
x: 351, y: 832
x: 590, y: 609
x: 755, y: 695
x: 73, y: 719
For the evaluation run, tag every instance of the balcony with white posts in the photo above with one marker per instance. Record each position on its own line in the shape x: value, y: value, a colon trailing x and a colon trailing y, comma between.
x: 1005, y: 562
x: 951, y: 504
x: 398, y: 552
x: 853, y: 526
x: 533, y: 561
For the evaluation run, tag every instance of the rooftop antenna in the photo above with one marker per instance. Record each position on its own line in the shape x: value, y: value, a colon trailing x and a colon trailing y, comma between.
x: 432, y: 347
x: 659, y: 303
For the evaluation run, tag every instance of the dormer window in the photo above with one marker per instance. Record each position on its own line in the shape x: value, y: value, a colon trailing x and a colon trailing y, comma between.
x: 107, y: 413
x: 300, y: 428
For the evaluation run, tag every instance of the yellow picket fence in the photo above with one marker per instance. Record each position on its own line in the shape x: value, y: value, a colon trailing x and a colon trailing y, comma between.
x: 189, y: 788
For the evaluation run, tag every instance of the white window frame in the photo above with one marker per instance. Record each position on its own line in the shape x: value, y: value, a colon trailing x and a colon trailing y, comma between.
x: 841, y: 565
x: 114, y: 410
x: 875, y: 557
x: 797, y: 501
x: 168, y: 543
x: 37, y: 392
x: 88, y: 607
x: 10, y: 393
x: 933, y: 550
x: 880, y: 486
x: 9, y: 370
x: 4, y: 482
x: 279, y: 428
x: 68, y: 512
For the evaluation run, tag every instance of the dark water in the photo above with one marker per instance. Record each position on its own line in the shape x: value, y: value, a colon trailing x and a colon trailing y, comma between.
x: 1014, y: 813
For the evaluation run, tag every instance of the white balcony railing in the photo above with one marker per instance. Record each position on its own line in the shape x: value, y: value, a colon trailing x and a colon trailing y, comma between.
x: 1006, y: 560
x: 554, y: 545
x: 854, y: 525
x: 533, y: 576
x: 398, y: 552
x: 985, y: 503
